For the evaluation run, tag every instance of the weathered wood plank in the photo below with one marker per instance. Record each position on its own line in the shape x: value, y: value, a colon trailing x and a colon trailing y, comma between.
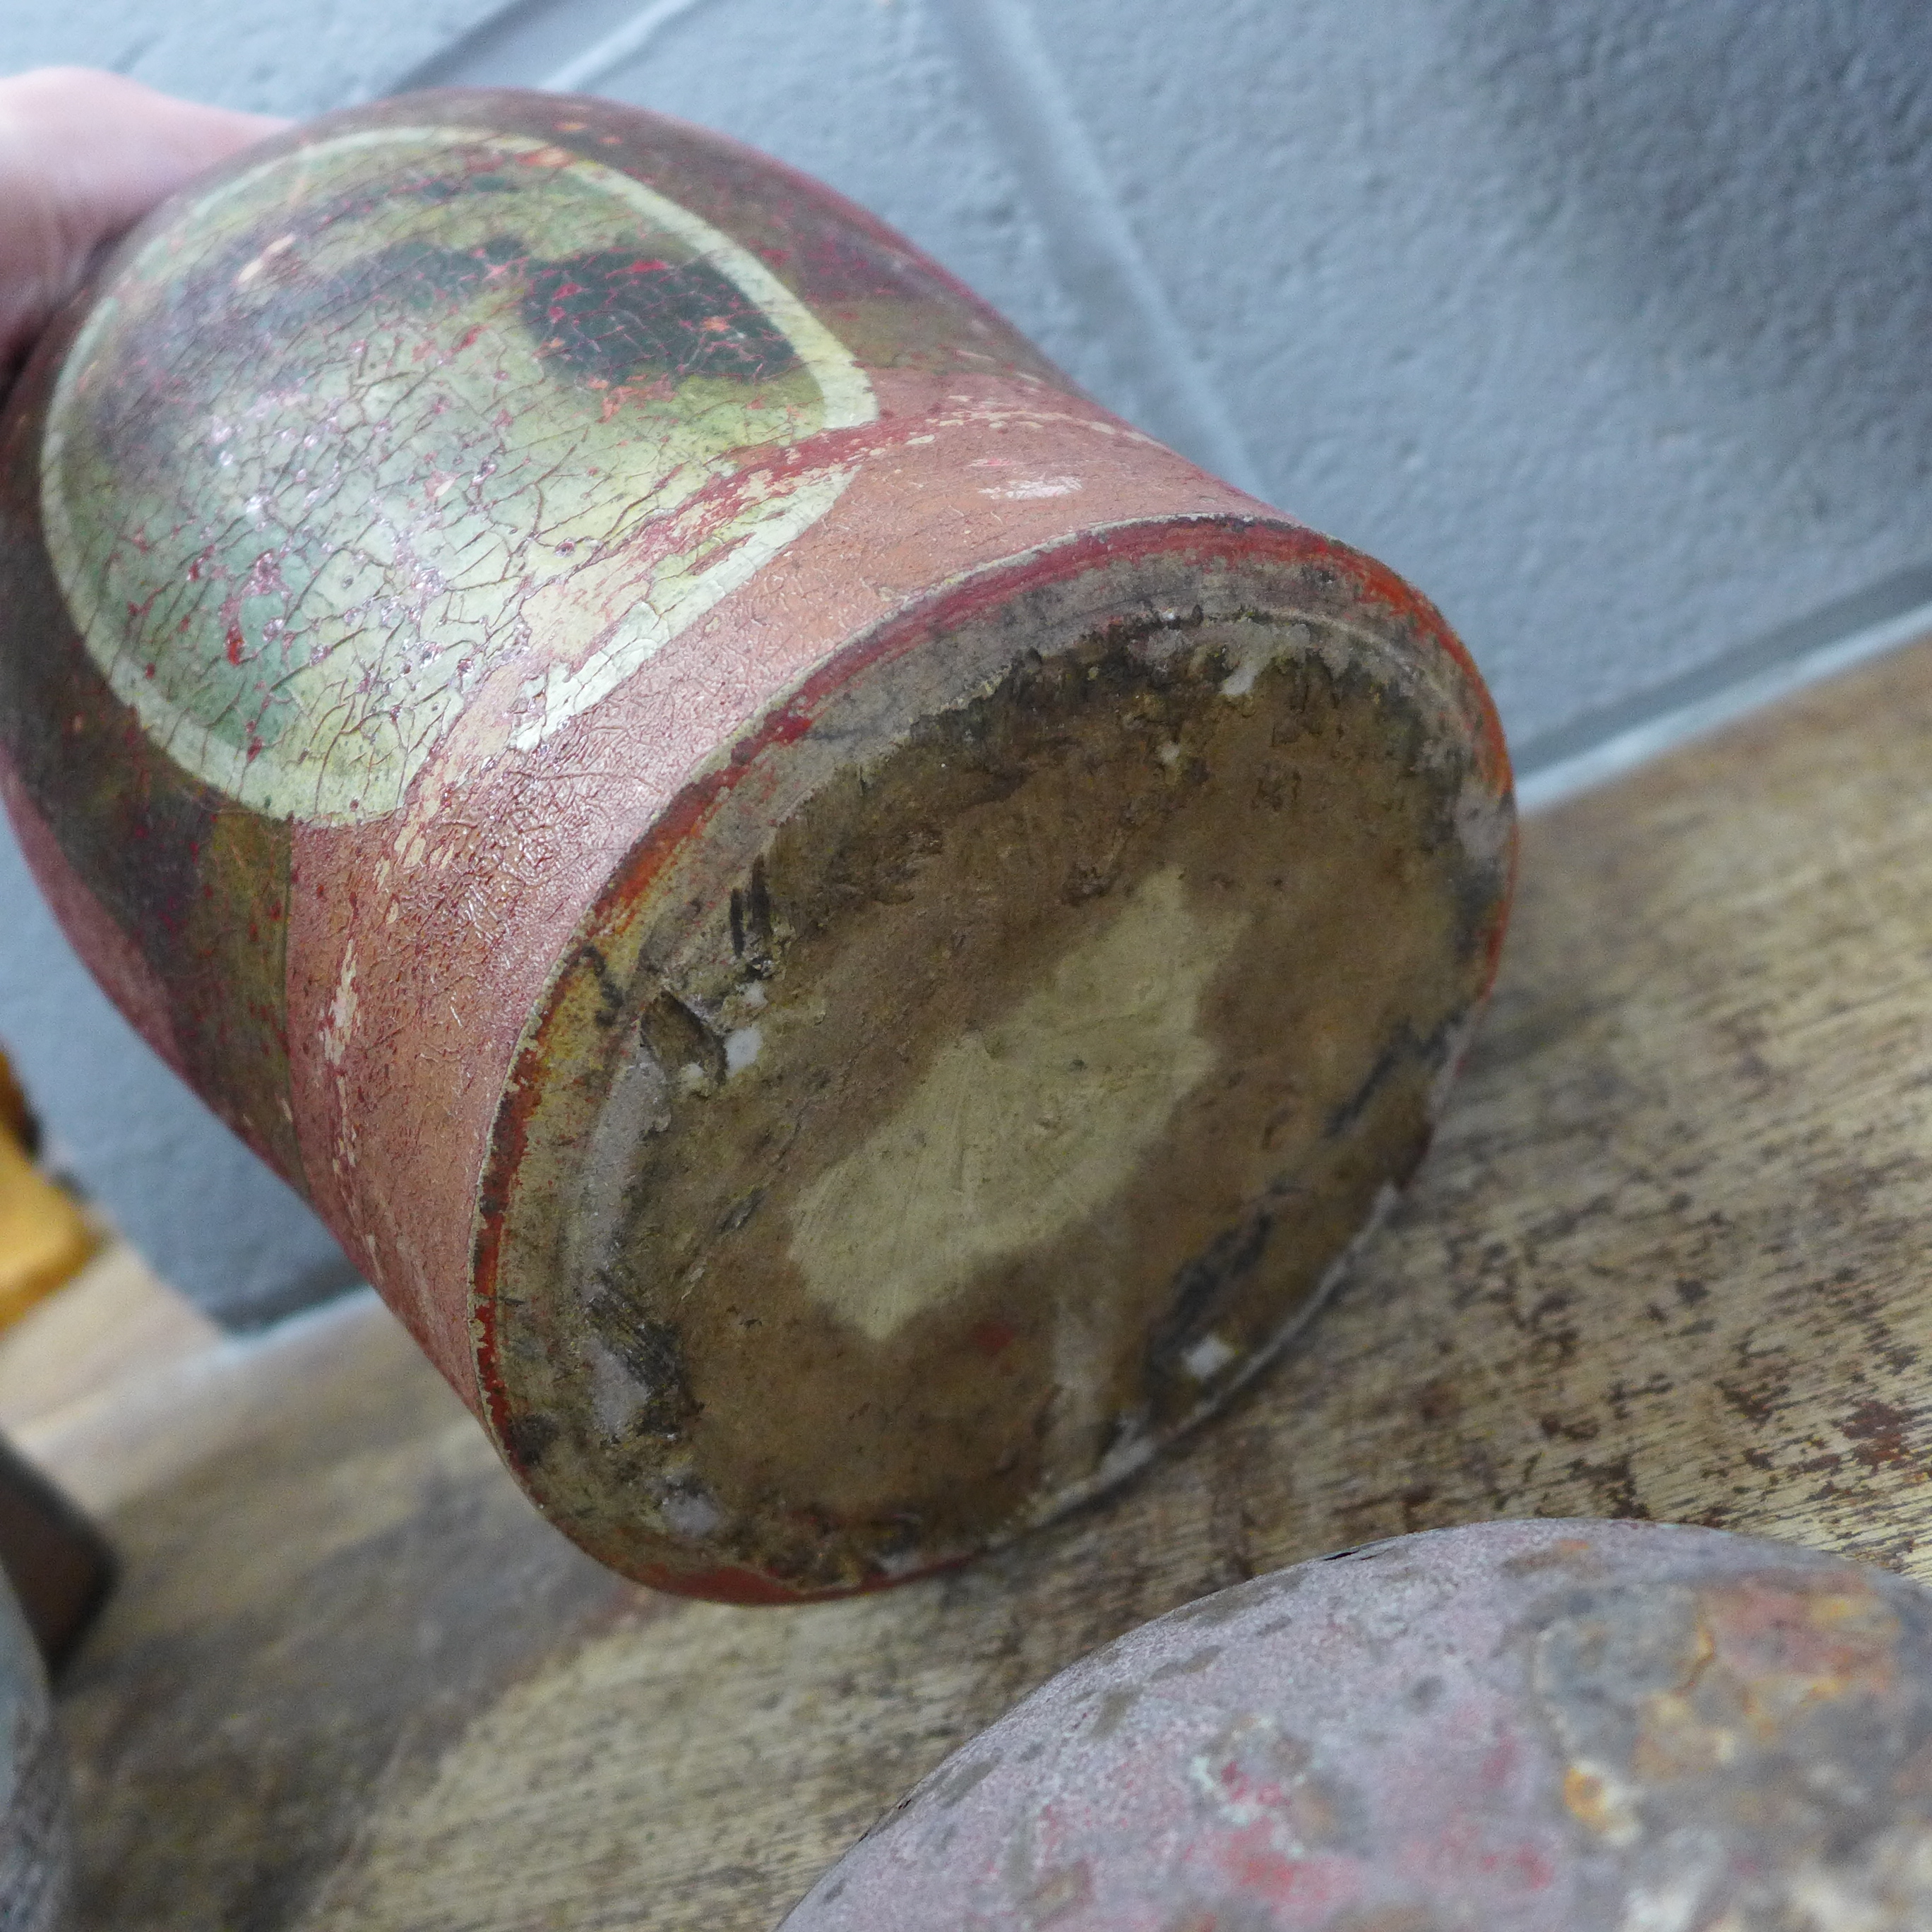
x: 1667, y: 1260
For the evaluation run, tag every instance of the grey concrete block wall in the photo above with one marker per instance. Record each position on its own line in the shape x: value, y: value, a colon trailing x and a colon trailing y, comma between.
x: 1602, y: 319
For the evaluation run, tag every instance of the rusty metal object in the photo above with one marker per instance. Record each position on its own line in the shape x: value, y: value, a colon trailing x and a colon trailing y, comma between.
x: 848, y: 940
x: 36, y: 1848
x: 1548, y: 1726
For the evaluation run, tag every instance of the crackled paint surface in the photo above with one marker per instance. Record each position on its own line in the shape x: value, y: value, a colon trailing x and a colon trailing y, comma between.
x: 554, y: 430
x: 1550, y: 1726
x: 492, y: 580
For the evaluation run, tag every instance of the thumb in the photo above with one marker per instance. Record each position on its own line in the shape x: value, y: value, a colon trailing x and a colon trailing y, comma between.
x: 83, y: 156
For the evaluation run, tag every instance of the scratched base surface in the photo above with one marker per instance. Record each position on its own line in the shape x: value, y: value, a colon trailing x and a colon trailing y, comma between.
x: 1666, y: 1259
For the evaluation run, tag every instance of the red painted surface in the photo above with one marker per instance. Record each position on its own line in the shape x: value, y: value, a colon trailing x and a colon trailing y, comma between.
x: 1522, y: 1727
x: 352, y: 990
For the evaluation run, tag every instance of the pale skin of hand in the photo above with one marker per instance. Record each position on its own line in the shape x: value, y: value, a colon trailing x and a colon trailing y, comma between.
x: 83, y: 156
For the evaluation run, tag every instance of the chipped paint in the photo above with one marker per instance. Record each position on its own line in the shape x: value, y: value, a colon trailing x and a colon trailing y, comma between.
x: 547, y: 526
x: 1412, y: 1736
x: 540, y: 460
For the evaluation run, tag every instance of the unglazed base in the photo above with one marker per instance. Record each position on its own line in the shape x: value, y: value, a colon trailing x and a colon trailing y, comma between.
x: 981, y: 1069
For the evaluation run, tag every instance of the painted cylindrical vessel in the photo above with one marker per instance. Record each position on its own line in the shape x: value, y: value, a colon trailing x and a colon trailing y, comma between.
x: 1551, y: 1726
x: 848, y: 939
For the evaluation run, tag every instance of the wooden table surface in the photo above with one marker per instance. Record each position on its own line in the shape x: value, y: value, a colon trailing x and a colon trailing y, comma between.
x: 1667, y: 1259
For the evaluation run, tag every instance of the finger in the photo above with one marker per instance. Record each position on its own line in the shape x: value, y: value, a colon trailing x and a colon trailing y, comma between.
x: 83, y: 155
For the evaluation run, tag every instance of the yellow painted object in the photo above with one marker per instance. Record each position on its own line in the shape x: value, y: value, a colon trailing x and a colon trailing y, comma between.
x: 45, y: 1239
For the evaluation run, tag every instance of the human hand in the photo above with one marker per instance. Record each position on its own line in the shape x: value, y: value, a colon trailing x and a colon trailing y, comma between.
x: 83, y: 156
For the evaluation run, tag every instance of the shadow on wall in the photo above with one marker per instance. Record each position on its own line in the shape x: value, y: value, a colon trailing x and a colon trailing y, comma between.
x: 1749, y: 188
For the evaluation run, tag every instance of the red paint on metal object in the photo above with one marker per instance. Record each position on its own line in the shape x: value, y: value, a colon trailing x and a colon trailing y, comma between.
x: 479, y: 533
x: 1522, y: 1727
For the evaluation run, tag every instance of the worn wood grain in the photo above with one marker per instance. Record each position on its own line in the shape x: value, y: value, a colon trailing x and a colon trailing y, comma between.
x: 1665, y: 1260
